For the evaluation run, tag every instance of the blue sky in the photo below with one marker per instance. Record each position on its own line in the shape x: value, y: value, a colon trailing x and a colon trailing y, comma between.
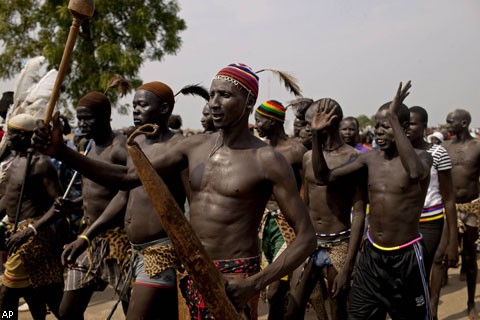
x: 353, y: 51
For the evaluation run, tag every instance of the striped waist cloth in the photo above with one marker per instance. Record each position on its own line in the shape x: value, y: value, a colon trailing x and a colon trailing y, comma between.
x: 432, y: 213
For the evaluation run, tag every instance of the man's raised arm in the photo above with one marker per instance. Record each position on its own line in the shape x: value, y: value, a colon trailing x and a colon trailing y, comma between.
x: 50, y: 142
x: 417, y: 167
x: 321, y: 120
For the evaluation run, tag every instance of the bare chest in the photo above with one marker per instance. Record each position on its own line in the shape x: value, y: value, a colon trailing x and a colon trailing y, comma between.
x: 228, y: 173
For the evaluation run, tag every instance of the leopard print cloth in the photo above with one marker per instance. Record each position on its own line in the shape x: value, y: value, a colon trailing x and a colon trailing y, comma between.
x: 160, y: 257
x: 119, y: 246
x: 287, y: 232
x: 470, y: 207
x: 40, y: 256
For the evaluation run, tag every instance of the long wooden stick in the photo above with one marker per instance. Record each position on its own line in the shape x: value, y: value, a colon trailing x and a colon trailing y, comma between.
x: 189, y: 249
x: 80, y: 10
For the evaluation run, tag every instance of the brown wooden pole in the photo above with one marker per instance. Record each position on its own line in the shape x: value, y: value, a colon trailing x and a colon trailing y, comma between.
x: 80, y: 10
x: 192, y: 254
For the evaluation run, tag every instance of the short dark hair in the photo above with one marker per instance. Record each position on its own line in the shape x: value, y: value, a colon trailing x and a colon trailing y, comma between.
x: 421, y: 112
x: 353, y: 119
x: 403, y: 113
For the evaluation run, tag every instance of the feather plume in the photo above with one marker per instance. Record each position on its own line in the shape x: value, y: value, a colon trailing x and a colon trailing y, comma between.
x: 288, y: 80
x: 300, y: 105
x: 117, y: 81
x: 196, y: 90
x: 27, y: 78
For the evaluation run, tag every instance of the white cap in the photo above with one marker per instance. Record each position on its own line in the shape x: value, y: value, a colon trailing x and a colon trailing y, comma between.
x: 437, y: 135
x: 23, y: 122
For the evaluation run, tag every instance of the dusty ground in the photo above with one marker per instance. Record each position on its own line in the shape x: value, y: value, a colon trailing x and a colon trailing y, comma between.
x: 452, y: 303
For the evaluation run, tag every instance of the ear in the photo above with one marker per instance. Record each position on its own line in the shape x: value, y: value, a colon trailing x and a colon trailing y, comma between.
x: 164, y: 108
x: 251, y: 103
x: 464, y: 123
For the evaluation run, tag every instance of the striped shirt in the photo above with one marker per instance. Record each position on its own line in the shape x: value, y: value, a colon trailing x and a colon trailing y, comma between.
x: 433, y: 201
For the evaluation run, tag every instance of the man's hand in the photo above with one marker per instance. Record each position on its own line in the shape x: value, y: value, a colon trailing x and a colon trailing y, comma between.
x: 65, y: 206
x: 397, y: 101
x: 19, y: 238
x: 450, y: 256
x: 323, y: 119
x: 49, y: 140
x: 240, y: 291
x: 73, y: 250
x: 339, y: 283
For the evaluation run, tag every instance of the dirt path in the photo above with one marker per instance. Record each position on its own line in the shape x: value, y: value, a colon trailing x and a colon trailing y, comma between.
x: 453, y: 303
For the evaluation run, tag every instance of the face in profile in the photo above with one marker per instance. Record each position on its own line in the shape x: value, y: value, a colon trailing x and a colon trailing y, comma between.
x: 206, y: 120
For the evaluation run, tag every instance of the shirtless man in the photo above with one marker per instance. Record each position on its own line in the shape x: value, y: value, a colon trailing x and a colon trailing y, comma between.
x: 440, y: 239
x: 275, y: 233
x: 232, y: 176
x: 338, y: 240
x: 33, y: 269
x: 206, y: 120
x: 389, y: 277
x: 154, y: 293
x: 465, y: 153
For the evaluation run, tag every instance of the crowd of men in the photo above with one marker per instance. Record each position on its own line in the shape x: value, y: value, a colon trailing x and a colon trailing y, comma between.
x: 318, y: 218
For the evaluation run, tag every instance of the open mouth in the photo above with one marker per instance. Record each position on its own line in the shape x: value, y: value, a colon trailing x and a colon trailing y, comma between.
x: 217, y: 117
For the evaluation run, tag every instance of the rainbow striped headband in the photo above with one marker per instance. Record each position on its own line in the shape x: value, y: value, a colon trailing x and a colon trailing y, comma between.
x: 242, y: 75
x: 272, y: 109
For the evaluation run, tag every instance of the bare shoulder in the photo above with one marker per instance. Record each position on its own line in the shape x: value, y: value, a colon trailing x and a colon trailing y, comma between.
x: 41, y: 164
x: 272, y: 161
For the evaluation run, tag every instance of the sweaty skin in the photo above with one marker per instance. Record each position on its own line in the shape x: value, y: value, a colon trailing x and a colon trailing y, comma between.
x: 232, y: 175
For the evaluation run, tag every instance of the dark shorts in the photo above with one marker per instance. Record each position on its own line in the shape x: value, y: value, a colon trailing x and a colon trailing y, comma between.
x: 390, y: 282
x: 432, y: 233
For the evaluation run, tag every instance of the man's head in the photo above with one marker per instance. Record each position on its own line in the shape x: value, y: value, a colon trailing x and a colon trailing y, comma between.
x: 418, y: 123
x: 20, y: 131
x: 233, y: 93
x: 153, y: 103
x: 325, y: 104
x: 206, y: 120
x: 458, y: 121
x: 383, y: 129
x: 93, y: 114
x: 349, y: 131
x: 268, y: 115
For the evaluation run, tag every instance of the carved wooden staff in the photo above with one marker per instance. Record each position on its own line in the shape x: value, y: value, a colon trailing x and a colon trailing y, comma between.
x: 80, y: 10
x: 189, y: 249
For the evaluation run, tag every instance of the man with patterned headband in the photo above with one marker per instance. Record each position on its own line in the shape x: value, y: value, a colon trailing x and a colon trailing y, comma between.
x: 465, y: 153
x: 154, y: 292
x: 275, y: 233
x: 390, y: 275
x: 232, y: 175
x: 338, y: 240
x: 33, y: 269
